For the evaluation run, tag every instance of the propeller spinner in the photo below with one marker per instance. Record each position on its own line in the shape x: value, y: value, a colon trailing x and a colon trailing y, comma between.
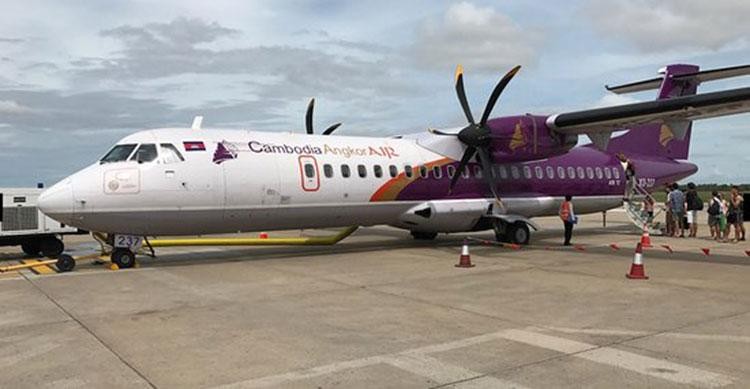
x: 309, y: 120
x: 477, y: 136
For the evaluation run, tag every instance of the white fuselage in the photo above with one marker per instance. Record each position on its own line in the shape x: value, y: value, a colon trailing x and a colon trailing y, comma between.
x: 236, y: 180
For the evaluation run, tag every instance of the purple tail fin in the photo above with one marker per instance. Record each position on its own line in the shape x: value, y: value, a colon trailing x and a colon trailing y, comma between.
x: 662, y: 139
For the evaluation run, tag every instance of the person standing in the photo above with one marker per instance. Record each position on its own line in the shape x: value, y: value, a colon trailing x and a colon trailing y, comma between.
x: 668, y: 212
x: 676, y: 200
x: 714, y: 211
x: 736, y: 213
x: 693, y: 203
x: 569, y: 218
x: 723, y: 227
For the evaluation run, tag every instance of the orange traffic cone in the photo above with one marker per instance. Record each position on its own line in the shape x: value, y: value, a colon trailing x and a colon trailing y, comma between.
x: 645, y: 238
x: 465, y: 259
x: 263, y: 235
x: 636, y: 269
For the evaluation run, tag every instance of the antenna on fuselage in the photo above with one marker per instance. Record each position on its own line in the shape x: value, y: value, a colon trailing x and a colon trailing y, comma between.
x: 197, y: 121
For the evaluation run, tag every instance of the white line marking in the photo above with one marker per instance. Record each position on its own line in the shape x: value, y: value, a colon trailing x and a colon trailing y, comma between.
x: 623, y: 359
x: 678, y: 335
x: 417, y: 362
x: 445, y: 373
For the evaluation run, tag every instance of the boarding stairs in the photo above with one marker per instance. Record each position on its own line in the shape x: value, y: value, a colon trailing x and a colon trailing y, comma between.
x: 633, y: 203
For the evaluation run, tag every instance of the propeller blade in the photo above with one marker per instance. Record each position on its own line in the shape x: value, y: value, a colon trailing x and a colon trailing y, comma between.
x: 470, y: 151
x: 309, y: 117
x: 462, y: 94
x: 438, y: 132
x: 331, y: 129
x: 496, y: 93
x: 486, y: 160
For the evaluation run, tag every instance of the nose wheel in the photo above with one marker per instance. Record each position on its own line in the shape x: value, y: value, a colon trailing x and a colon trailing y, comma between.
x: 123, y: 258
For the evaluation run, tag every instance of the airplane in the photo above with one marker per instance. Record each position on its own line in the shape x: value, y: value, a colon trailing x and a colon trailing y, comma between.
x: 493, y: 174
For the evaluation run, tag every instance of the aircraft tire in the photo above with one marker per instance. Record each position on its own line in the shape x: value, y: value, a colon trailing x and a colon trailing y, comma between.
x: 123, y: 258
x: 31, y: 248
x: 65, y: 263
x: 519, y: 233
x: 52, y: 247
x: 424, y: 235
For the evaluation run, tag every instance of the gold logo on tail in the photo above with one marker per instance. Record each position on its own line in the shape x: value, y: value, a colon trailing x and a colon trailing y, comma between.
x: 665, y: 135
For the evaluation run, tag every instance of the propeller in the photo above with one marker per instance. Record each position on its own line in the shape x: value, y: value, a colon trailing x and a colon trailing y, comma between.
x: 309, y: 120
x: 477, y: 136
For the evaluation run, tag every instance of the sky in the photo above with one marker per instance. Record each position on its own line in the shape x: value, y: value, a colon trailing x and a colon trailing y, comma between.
x: 77, y: 76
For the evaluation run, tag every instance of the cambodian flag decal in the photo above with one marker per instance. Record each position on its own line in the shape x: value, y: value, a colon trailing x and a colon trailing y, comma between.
x: 194, y: 146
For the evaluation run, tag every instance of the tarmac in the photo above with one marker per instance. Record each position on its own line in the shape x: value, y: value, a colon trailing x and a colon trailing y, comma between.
x: 382, y: 310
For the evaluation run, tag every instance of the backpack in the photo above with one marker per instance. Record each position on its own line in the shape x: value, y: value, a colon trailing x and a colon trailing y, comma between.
x: 714, y: 209
x: 698, y: 203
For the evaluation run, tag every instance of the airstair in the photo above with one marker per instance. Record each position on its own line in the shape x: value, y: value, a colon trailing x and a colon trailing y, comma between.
x: 634, y: 205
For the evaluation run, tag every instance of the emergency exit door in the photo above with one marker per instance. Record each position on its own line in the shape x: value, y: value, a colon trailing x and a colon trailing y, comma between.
x: 309, y: 173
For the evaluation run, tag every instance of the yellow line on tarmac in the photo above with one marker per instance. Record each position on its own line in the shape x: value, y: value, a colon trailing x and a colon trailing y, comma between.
x: 41, y: 269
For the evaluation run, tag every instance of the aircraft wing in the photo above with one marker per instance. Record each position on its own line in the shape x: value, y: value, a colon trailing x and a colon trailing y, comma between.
x: 674, y: 111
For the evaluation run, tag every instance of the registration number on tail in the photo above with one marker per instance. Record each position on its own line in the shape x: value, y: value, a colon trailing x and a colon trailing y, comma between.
x: 128, y: 242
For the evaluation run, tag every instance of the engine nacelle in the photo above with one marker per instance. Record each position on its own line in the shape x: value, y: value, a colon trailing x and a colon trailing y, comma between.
x: 445, y: 215
x: 526, y: 138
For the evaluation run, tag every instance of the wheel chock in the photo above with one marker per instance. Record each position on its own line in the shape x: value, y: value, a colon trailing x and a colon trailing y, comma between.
x: 113, y: 266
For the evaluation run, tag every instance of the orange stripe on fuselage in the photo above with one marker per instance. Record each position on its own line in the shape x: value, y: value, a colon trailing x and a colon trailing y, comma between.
x: 391, y: 189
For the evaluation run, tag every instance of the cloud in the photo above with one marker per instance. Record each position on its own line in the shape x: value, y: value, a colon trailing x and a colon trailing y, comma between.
x: 671, y: 25
x: 612, y: 99
x: 481, y: 38
x: 12, y: 107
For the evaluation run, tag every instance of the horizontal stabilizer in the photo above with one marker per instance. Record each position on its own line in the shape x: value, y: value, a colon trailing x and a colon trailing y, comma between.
x: 675, y: 111
x: 701, y: 76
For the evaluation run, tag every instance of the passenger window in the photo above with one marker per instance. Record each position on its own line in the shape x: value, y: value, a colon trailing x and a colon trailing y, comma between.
x: 378, y: 170
x: 362, y: 171
x: 345, y: 171
x: 465, y: 172
x: 408, y: 171
x: 437, y: 172
x: 423, y: 171
x: 477, y: 171
x: 579, y: 170
x: 170, y: 154
x: 393, y: 170
x: 599, y: 174
x: 590, y: 173
x: 571, y: 172
x: 527, y: 172
x: 539, y: 172
x: 328, y: 170
x: 561, y: 172
x: 550, y: 172
x: 118, y: 153
x: 451, y: 170
x: 514, y: 172
x: 309, y: 170
x: 616, y: 173
x: 607, y: 172
x: 503, y: 173
x: 145, y: 153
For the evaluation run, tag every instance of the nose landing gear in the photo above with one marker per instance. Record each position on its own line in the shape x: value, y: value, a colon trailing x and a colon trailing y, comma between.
x: 123, y: 258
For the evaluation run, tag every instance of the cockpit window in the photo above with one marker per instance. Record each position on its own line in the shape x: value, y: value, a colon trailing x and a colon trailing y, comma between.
x: 146, y: 153
x: 170, y: 154
x: 118, y: 153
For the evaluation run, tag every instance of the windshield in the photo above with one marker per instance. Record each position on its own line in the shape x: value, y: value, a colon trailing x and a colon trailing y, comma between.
x: 146, y: 153
x: 118, y: 153
x: 170, y: 154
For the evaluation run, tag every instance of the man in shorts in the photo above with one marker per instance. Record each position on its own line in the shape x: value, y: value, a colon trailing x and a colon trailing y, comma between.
x: 737, y: 209
x: 693, y: 204
x: 677, y: 204
x: 714, y: 210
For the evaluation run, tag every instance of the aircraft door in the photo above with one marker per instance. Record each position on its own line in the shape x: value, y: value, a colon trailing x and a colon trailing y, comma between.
x: 309, y: 173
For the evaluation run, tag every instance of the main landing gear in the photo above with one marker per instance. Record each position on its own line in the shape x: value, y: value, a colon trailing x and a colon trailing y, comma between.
x: 516, y: 232
x: 418, y: 235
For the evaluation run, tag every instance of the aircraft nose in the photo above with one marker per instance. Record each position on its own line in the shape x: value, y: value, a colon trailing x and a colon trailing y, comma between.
x: 57, y: 201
